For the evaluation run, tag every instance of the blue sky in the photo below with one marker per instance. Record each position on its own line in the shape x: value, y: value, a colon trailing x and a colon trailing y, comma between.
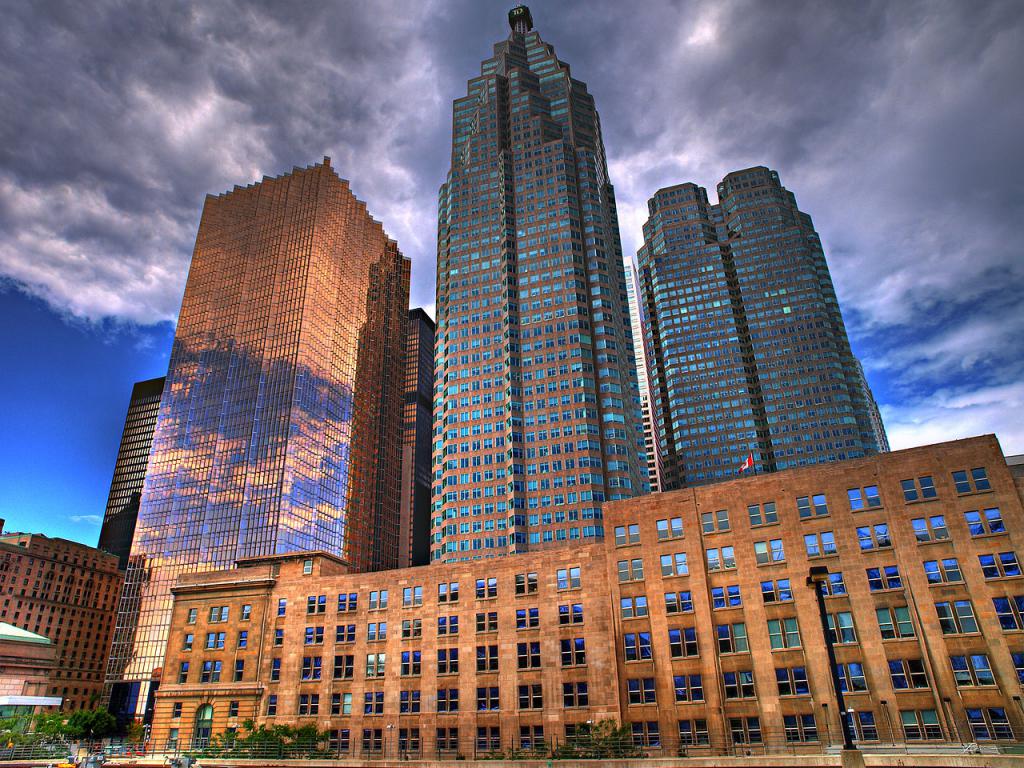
x: 896, y: 125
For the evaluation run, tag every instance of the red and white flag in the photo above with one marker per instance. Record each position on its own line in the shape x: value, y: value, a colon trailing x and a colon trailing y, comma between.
x: 748, y: 463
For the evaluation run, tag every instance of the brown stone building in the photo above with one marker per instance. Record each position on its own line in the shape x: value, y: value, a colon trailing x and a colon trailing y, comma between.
x: 27, y: 663
x: 692, y: 622
x: 66, y: 592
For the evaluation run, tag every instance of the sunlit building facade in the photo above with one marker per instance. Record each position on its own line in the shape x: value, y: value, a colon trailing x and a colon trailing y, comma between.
x: 280, y: 424
x: 130, y: 470
x: 749, y: 352
x: 536, y: 409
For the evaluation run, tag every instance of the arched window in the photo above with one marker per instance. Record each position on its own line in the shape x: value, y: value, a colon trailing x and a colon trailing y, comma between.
x: 204, y: 727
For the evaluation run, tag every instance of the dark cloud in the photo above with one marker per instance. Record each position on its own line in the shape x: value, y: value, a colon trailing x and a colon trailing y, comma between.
x: 895, y: 124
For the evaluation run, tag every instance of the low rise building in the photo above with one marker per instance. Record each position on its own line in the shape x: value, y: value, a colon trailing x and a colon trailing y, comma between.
x: 27, y: 662
x: 691, y: 622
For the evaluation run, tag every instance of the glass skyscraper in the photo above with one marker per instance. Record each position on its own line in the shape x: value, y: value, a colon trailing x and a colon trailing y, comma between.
x: 536, y: 408
x: 130, y: 470
x: 281, y: 419
x: 749, y: 352
x: 414, y: 534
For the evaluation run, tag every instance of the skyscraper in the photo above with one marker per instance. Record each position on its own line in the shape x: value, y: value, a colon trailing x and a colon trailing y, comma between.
x: 749, y: 352
x: 536, y: 409
x: 637, y: 319
x: 414, y: 523
x: 280, y: 424
x: 130, y: 470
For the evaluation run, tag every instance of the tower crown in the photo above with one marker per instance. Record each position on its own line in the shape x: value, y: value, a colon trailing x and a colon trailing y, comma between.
x: 520, y: 19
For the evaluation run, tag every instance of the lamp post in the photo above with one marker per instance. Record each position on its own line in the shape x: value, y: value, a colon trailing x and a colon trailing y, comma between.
x: 815, y: 578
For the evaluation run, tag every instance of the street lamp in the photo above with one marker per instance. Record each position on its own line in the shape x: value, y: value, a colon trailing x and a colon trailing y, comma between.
x: 817, y: 576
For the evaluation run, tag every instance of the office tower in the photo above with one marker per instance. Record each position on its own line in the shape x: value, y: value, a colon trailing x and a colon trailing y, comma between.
x: 536, y: 409
x: 874, y: 413
x: 637, y: 319
x: 67, y: 592
x: 414, y: 522
x: 280, y: 423
x: 130, y: 470
x: 749, y: 353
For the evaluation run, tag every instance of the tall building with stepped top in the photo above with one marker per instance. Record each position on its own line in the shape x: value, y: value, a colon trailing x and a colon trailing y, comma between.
x: 748, y: 349
x: 281, y: 419
x: 536, y: 411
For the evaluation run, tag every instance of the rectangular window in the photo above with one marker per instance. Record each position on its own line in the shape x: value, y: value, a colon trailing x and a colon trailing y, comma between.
x: 373, y: 703
x: 316, y: 604
x: 678, y: 602
x: 745, y: 730
x: 732, y: 638
x: 919, y: 490
x: 486, y: 588
x: 347, y: 601
x: 412, y: 596
x: 377, y: 631
x: 627, y: 534
x: 956, y: 617
x: 726, y: 597
x: 800, y: 728
x: 271, y: 705
x: 864, y: 498
x: 311, y: 668
x: 776, y: 591
x: 570, y: 614
x: 637, y: 646
x: 640, y: 691
x: 931, y: 528
x: 999, y: 565
x: 874, y: 536
x: 820, y: 544
x: 972, y: 670
x: 812, y: 506
x: 575, y: 695
x: 688, y: 688
x: 783, y: 633
x: 568, y: 578
x: 864, y: 726
x: 671, y: 528
x: 487, y: 658
x: 487, y: 622
x: 412, y: 628
x: 833, y: 585
x: 975, y: 480
x: 920, y: 724
x: 448, y: 700
x: 528, y: 655
x: 886, y: 577
x: 718, y: 559
x: 631, y: 570
x: 942, y: 571
x: 1010, y: 611
x: 313, y: 636
x: 378, y: 600
x: 447, y: 739
x: 344, y: 667
x: 770, y: 551
x: 895, y: 623
x: 449, y: 593
x: 531, y: 696
x: 447, y: 625
x: 646, y: 734
x: 792, y: 681
x: 682, y: 643
x: 447, y: 661
x: 375, y: 663
x: 411, y: 663
x: 527, y: 618
x: 526, y: 583
x: 739, y: 685
x: 984, y: 522
x: 633, y: 607
x: 989, y: 723
x: 841, y: 628
x: 907, y: 673
x: 762, y: 514
x: 345, y: 633
x: 487, y: 699
x: 693, y: 733
x: 574, y: 652
x: 408, y: 702
x: 675, y: 564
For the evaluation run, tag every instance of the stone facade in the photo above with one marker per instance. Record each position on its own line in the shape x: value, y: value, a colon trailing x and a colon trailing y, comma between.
x: 698, y: 626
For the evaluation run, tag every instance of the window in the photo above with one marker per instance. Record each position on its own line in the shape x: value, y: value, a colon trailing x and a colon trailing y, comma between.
x: 930, y: 528
x: 487, y: 622
x: 717, y: 558
x: 672, y: 528
x: 864, y: 727
x: 531, y: 696
x: 176, y: 709
x: 447, y: 699
x: 715, y: 521
x: 447, y: 739
x: 812, y: 506
x: 375, y: 663
x: 574, y: 652
x: 972, y: 670
x: 762, y: 514
x: 373, y: 703
x: 378, y: 600
x: 678, y: 602
x: 864, y: 498
x: 412, y: 628
x: 627, y: 534
x: 377, y: 631
x: 307, y: 567
x: 982, y: 522
x: 570, y: 614
x: 487, y: 658
x: 246, y: 612
x: 640, y: 691
x: 800, y: 727
x: 488, y: 739
x: 895, y: 622
x: 637, y: 646
x: 528, y: 655
x: 487, y: 698
x: 575, y: 695
x: 770, y: 551
x: 886, y: 577
x: 313, y: 636
x: 874, y: 536
x: 989, y: 723
x: 956, y: 617
x: 688, y: 688
x: 526, y: 583
x: 726, y: 597
x: 792, y: 681
x: 486, y: 588
x: 841, y: 628
x: 783, y: 633
x: 278, y: 637
x: 820, y: 544
x: 977, y: 480
x: 409, y: 738
x: 311, y: 668
x: 745, y: 730
x: 447, y: 625
x: 219, y: 613
x: 449, y: 593
x: 739, y: 685
x: 193, y: 614
x: 345, y: 633
x: 412, y: 596
x: 693, y: 732
x: 527, y: 618
x: 999, y: 565
x: 568, y: 578
x: 183, y: 672
x: 833, y: 585
x: 373, y: 739
x: 776, y: 591
x: 272, y: 705
x: 411, y: 663
x: 408, y: 702
x: 316, y: 604
x: 920, y: 724
x: 1010, y: 611
x: 275, y: 669
x: 243, y: 639
x: 732, y: 638
x: 682, y: 643
x: 942, y: 571
x: 907, y: 673
x: 633, y: 607
x: 210, y: 672
x: 923, y: 488
x: 631, y: 570
x: 447, y: 661
x: 347, y: 602
x: 675, y: 564
x: 646, y: 734
x: 343, y: 667
x: 186, y: 644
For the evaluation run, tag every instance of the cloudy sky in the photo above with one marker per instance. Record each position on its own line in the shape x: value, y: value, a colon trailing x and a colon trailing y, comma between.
x: 897, y: 125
